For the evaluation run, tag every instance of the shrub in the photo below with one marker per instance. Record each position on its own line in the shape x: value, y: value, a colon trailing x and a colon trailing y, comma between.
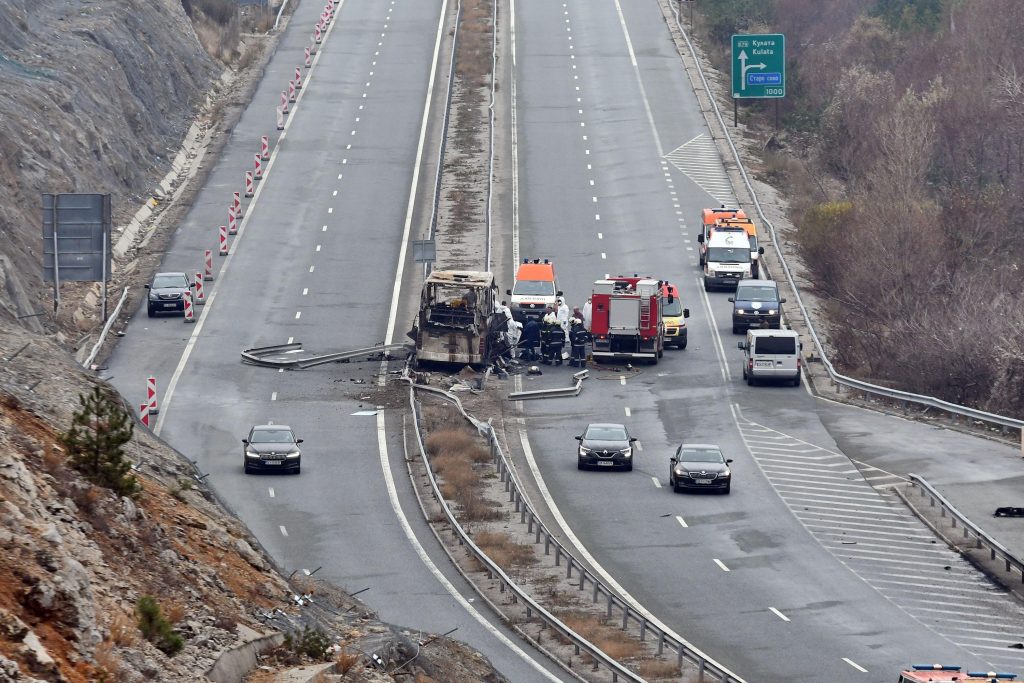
x: 309, y: 642
x: 155, y: 628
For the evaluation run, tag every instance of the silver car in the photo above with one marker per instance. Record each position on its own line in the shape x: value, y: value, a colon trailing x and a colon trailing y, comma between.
x: 271, y: 448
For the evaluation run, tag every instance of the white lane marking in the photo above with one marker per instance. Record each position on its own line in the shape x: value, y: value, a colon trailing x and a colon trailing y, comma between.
x: 682, y: 522
x: 627, y: 411
x: 333, y: 194
x: 600, y: 236
x: 305, y: 291
x: 657, y: 482
x: 779, y: 614
x: 414, y: 186
x: 597, y: 216
x: 639, y: 80
x: 273, y: 396
x: 719, y: 351
x: 855, y: 665
x: 324, y: 229
x: 318, y: 247
x: 604, y: 255
x: 284, y: 532
x: 330, y: 209
x: 721, y: 565
x: 389, y: 482
x: 339, y: 176
x: 271, y: 491
x: 290, y: 339
x: 298, y: 314
x: 622, y: 380
x: 311, y: 268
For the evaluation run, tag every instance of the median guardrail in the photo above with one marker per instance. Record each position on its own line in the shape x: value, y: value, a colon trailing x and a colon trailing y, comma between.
x: 1011, y: 563
x: 271, y: 356
x: 615, y: 606
x: 838, y: 378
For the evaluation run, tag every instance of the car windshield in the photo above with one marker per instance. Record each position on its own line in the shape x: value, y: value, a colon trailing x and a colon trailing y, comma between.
x: 728, y: 255
x: 700, y: 455
x: 272, y: 436
x: 605, y: 434
x: 170, y: 281
x: 673, y: 309
x: 534, y: 288
x: 756, y: 293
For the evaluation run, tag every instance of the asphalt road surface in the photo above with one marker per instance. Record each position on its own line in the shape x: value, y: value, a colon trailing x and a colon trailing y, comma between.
x: 315, y: 262
x: 806, y: 572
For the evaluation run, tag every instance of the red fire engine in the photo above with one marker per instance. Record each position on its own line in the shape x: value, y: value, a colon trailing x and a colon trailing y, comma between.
x: 625, y: 318
x: 921, y: 673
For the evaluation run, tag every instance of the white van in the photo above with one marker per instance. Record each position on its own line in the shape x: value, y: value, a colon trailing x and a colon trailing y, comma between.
x: 771, y: 354
x: 727, y: 259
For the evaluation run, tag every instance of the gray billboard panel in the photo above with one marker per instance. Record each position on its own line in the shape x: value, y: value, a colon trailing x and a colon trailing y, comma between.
x: 83, y: 223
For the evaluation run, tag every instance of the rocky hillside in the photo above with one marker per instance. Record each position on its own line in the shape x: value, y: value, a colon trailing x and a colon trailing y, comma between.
x: 97, y: 96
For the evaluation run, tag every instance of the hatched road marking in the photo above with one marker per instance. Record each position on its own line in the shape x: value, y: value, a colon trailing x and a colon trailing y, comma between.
x: 700, y: 161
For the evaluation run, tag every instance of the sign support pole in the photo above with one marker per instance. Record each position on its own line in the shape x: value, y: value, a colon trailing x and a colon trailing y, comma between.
x: 56, y: 257
x: 735, y: 112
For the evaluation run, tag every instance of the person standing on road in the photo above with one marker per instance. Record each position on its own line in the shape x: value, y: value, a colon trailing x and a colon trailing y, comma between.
x: 586, y: 315
x: 531, y: 339
x: 578, y: 338
x: 547, y: 322
x: 563, y: 317
x: 557, y: 340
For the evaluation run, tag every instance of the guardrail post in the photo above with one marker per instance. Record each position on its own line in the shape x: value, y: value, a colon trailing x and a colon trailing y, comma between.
x: 597, y: 587
x: 661, y: 643
x: 568, y: 567
x: 625, y: 617
x: 643, y: 629
x: 547, y: 541
x: 679, y: 656
x: 536, y: 538
x: 529, y: 526
x: 529, y: 612
x: 558, y: 555
x: 522, y: 510
x: 700, y: 670
x: 583, y: 579
x: 501, y: 586
x: 609, y: 605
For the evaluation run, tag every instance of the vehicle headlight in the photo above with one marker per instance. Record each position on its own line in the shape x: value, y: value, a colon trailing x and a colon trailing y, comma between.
x: 680, y: 472
x: 584, y: 450
x: 725, y: 475
x: 740, y: 311
x: 293, y: 454
x: 627, y: 452
x: 711, y: 273
x: 772, y: 311
x: 249, y: 453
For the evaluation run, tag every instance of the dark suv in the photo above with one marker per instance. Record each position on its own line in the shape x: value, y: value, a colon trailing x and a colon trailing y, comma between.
x: 167, y: 293
x: 756, y: 304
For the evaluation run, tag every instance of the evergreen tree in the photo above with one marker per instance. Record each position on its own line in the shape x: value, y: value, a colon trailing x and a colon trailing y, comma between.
x: 98, y: 430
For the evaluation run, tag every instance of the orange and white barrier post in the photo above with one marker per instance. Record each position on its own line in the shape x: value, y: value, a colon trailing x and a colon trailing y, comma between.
x: 200, y: 295
x: 144, y: 414
x: 232, y: 221
x: 208, y: 265
x: 298, y: 78
x: 248, y: 184
x: 265, y: 147
x: 151, y: 395
x: 280, y: 119
x: 223, y: 240
x: 309, y: 58
x: 189, y: 314
x: 257, y: 173
x: 236, y: 201
x: 291, y: 91
x: 316, y: 34
x: 284, y: 102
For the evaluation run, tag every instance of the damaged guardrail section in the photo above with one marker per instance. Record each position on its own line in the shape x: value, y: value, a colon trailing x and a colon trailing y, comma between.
x: 276, y: 356
x: 599, y: 592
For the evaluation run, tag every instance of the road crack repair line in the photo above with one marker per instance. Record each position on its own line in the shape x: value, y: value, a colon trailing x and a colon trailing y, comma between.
x: 884, y: 544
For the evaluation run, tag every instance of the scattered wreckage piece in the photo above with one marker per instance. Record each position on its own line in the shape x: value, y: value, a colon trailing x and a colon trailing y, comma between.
x: 561, y: 392
x: 277, y: 356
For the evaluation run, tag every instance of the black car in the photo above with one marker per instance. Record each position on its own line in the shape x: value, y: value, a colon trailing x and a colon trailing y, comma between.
x: 272, y: 447
x: 757, y: 304
x: 699, y: 466
x: 167, y: 293
x: 605, y: 445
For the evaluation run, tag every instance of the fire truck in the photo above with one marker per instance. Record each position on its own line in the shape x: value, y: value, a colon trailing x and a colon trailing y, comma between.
x: 922, y: 673
x: 625, y: 318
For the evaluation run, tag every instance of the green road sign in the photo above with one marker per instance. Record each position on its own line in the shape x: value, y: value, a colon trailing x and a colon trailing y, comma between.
x: 759, y: 65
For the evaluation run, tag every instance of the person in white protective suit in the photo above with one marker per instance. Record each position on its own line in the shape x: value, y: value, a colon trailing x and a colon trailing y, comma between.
x: 586, y: 315
x: 563, y: 317
x: 511, y: 329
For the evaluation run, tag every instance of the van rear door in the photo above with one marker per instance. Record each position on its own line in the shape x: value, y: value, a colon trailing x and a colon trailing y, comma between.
x: 774, y: 356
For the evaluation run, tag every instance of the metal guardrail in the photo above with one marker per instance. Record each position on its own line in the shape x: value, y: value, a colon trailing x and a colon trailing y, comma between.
x: 560, y: 392
x: 839, y: 379
x: 982, y: 540
x: 614, y: 605
x: 582, y: 645
x: 259, y: 355
x: 106, y: 330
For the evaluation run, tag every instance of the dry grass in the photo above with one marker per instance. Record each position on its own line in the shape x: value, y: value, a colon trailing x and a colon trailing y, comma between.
x: 505, y: 552
x: 347, y: 661
x: 107, y: 661
x: 614, y: 642
x: 174, y: 611
x: 657, y: 669
x: 123, y: 631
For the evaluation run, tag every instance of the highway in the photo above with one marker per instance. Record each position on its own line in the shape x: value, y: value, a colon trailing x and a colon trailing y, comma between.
x: 805, y: 572
x: 315, y: 261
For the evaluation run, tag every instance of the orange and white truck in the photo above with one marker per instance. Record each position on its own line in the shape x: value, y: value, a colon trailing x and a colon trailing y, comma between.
x: 708, y: 219
x: 626, y: 318
x: 938, y: 673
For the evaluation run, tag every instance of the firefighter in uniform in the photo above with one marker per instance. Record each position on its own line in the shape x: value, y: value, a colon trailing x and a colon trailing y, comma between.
x: 556, y: 336
x: 550, y: 330
x: 530, y: 340
x: 578, y: 338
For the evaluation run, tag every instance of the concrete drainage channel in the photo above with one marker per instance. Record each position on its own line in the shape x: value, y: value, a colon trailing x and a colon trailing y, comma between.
x: 665, y: 657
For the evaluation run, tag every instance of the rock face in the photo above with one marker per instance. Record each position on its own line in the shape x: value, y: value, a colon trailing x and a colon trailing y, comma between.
x: 95, y: 96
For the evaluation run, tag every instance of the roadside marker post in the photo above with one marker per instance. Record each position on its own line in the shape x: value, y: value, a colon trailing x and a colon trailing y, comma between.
x: 257, y: 168
x: 265, y: 147
x: 223, y: 240
x: 200, y: 295
x: 236, y: 201
x: 144, y: 414
x: 232, y: 221
x: 189, y: 315
x: 208, y: 265
x: 151, y: 395
x: 248, y: 184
